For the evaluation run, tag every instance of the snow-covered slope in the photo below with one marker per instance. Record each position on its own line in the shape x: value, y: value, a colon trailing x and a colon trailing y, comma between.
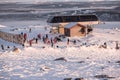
x: 85, y: 59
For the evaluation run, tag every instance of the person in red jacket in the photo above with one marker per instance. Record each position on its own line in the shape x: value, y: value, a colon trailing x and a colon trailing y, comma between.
x: 25, y: 37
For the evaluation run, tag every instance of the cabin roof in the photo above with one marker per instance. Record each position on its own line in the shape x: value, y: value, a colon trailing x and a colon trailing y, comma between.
x: 72, y: 18
x: 70, y: 25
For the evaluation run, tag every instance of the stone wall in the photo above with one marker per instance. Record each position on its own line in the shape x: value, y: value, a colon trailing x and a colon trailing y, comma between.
x: 15, y: 38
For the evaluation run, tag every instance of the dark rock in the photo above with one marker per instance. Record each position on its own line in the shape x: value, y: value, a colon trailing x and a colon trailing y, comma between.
x: 81, y: 62
x: 79, y: 79
x: 67, y: 78
x: 103, y: 76
x: 118, y: 62
x: 61, y: 58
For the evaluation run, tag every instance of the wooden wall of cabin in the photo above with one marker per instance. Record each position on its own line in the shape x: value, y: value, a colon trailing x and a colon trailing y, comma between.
x: 76, y: 31
x: 61, y: 28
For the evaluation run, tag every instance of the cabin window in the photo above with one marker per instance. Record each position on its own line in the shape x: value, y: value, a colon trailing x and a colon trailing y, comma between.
x: 82, y: 30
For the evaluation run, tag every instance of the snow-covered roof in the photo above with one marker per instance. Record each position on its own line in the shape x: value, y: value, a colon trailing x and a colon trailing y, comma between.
x: 70, y: 25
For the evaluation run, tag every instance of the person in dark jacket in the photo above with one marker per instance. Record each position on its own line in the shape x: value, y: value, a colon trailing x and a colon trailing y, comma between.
x: 36, y: 40
x: 117, y: 47
x: 2, y: 47
x: 74, y: 42
x: 68, y: 41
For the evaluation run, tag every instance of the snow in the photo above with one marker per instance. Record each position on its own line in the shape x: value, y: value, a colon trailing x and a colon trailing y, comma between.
x: 83, y: 61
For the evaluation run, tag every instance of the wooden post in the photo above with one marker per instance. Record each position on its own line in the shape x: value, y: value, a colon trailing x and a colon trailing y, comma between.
x: 86, y: 31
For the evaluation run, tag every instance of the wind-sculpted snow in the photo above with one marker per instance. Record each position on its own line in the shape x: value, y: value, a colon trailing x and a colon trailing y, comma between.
x: 37, y: 64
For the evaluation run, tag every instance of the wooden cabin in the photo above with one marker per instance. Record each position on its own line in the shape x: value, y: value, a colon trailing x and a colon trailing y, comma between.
x: 61, y: 21
x: 74, y: 29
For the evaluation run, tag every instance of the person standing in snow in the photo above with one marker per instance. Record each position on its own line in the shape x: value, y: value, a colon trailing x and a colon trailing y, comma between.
x: 105, y: 45
x: 74, y: 42
x: 39, y: 36
x: 25, y: 37
x: 52, y: 44
x: 68, y: 41
x: 46, y: 35
x: 51, y: 41
x: 2, y: 46
x: 117, y: 47
x: 36, y: 40
x: 43, y: 38
x: 55, y: 41
x: 30, y: 42
x: 30, y: 30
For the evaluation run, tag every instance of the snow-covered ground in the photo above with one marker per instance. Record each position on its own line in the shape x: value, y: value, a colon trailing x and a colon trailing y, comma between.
x: 81, y: 60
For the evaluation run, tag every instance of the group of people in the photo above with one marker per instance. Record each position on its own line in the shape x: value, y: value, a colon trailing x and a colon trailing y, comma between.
x: 45, y: 39
x: 3, y: 47
x: 105, y: 45
x: 68, y: 41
